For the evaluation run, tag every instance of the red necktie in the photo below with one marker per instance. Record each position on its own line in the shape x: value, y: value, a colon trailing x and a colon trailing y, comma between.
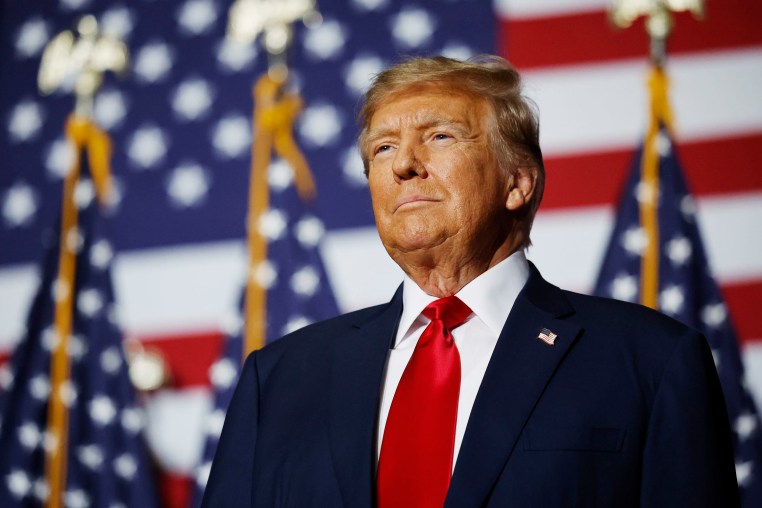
x: 419, y: 439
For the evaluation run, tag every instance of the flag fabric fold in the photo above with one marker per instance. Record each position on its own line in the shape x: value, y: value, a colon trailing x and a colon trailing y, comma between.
x: 685, y: 290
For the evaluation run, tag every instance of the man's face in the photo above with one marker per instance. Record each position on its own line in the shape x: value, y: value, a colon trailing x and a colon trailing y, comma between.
x: 432, y: 175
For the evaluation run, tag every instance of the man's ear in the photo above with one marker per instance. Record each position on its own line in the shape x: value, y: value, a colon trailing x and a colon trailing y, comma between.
x: 521, y: 187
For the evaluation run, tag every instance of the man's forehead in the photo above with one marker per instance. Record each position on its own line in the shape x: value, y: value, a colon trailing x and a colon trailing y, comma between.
x: 427, y: 105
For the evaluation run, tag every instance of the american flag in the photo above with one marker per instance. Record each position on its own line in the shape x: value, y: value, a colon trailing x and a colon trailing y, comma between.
x: 687, y: 292
x: 181, y: 128
x: 107, y: 462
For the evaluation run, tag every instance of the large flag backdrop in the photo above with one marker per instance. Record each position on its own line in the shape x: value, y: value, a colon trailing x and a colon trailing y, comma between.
x: 181, y: 128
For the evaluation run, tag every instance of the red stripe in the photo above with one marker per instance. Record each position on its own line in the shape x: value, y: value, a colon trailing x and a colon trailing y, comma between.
x: 590, y: 37
x: 188, y: 356
x: 743, y: 300
x: 720, y: 166
x: 175, y: 490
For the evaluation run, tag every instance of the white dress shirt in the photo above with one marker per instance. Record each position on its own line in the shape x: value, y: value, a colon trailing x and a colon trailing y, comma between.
x: 490, y: 296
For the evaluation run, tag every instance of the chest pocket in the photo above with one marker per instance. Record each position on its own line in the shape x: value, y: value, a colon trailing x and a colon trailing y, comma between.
x: 594, y: 439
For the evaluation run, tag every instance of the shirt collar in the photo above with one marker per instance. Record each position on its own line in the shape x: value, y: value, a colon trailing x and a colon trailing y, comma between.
x: 491, y: 295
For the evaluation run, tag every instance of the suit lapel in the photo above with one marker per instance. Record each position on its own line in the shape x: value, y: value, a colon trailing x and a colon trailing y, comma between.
x: 358, y: 366
x: 520, y: 368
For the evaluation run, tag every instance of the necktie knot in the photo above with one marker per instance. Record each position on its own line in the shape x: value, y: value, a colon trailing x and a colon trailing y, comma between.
x: 450, y: 310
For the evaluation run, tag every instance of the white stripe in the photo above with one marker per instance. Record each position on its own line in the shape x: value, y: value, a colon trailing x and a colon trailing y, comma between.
x: 192, y: 288
x: 522, y: 9
x: 589, y: 108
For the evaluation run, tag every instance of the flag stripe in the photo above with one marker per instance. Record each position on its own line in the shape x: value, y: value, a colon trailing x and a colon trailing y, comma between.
x: 597, y: 178
x: 584, y: 37
x: 743, y: 300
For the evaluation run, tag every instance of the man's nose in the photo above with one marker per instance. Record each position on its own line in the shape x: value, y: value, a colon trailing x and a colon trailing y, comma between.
x: 407, y: 162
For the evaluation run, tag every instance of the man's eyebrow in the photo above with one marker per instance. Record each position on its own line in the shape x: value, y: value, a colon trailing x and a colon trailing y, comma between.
x: 423, y: 122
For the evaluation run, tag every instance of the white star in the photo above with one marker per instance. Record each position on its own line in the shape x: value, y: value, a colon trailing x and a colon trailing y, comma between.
x: 309, y: 231
x: 305, y: 281
x: 359, y: 73
x: 352, y: 168
x: 60, y: 289
x: 68, y: 393
x: 412, y: 27
x: 280, y: 175
x: 133, y: 419
x: 125, y: 466
x: 188, y: 185
x: 41, y: 490
x: 369, y: 5
x: 679, y: 250
x: 50, y: 339
x: 19, y: 205
x: 197, y: 16
x: 320, y: 125
x: 60, y: 158
x: 294, y: 323
x: 111, y: 360
x: 102, y: 410
x: 265, y: 274
x: 153, y: 62
x: 147, y: 146
x: 101, y: 254
x: 117, y: 22
x: 49, y: 441
x: 634, y: 241
x: 91, y: 456
x: 74, y: 5
x: 26, y: 121
x: 77, y: 349
x: 272, y: 224
x: 663, y: 144
x: 39, y: 387
x: 745, y: 425
x: 202, y: 474
x: 76, y: 498
x: 222, y: 373
x: 713, y: 315
x: 232, y: 136
x: 192, y: 99
x: 688, y: 208
x: 671, y: 300
x: 624, y: 287
x: 235, y: 57
x: 90, y: 302
x: 716, y: 359
x: 74, y: 242
x: 84, y: 193
x: 214, y: 423
x: 18, y: 483
x: 646, y: 192
x: 325, y: 40
x: 29, y: 435
x: 457, y: 51
x: 744, y: 472
x: 6, y: 377
x: 32, y: 37
x: 232, y: 323
x: 110, y: 108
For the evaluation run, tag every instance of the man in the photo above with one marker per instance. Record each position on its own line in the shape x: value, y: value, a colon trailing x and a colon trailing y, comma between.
x: 479, y: 384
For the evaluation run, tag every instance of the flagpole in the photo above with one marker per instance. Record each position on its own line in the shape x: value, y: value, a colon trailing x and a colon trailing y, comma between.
x: 273, y: 119
x: 87, y: 140
x: 659, y: 24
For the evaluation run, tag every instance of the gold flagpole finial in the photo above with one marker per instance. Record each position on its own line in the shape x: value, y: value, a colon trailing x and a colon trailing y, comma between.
x: 273, y: 19
x: 659, y: 19
x: 76, y: 60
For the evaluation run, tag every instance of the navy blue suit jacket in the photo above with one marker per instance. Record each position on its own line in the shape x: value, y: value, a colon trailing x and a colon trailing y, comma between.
x: 624, y: 410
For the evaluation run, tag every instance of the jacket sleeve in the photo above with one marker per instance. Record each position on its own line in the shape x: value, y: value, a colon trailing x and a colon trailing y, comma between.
x: 688, y: 454
x: 230, y: 480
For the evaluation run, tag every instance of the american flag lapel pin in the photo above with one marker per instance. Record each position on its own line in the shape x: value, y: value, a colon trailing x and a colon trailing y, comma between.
x: 547, y: 337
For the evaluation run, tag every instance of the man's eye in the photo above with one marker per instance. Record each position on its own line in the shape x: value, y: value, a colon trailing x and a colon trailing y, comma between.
x: 441, y: 136
x: 383, y: 148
